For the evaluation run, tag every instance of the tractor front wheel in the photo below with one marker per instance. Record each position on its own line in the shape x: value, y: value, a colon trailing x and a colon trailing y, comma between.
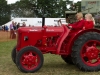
x: 29, y: 59
x: 86, y: 52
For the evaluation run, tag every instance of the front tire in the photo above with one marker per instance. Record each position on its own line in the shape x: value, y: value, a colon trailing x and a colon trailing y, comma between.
x: 86, y: 52
x: 29, y: 59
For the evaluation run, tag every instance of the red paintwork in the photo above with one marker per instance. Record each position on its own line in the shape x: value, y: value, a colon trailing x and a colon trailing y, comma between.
x: 30, y: 60
x: 55, y: 40
x: 78, y: 25
x: 88, y: 24
x: 74, y: 37
x: 90, y: 53
x: 47, y: 39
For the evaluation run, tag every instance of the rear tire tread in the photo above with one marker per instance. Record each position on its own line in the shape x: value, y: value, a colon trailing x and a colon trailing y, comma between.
x: 76, y: 58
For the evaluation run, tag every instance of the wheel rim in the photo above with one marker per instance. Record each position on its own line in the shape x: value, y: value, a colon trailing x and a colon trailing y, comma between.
x: 90, y: 53
x: 30, y: 60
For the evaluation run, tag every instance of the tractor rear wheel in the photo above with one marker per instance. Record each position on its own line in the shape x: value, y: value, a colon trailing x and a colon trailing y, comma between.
x: 13, y: 55
x: 29, y: 59
x: 67, y: 59
x: 86, y: 52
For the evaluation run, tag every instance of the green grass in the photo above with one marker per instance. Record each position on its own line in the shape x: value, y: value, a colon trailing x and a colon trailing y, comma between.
x: 53, y: 64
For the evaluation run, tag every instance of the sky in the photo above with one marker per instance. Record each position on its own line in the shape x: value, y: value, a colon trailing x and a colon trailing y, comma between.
x: 13, y: 1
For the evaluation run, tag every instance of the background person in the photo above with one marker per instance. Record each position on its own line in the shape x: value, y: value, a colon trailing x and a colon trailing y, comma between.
x: 2, y: 28
x: 24, y: 25
x: 18, y: 25
x: 15, y: 28
x: 6, y: 28
x: 29, y: 25
x: 11, y: 30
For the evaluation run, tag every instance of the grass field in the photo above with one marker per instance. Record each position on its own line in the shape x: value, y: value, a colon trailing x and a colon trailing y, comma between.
x: 53, y: 64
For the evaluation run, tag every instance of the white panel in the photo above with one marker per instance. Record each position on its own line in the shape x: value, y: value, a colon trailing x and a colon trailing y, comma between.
x: 37, y: 21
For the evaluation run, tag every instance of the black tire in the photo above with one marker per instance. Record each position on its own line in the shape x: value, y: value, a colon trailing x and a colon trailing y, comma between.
x: 31, y: 49
x: 76, y: 51
x: 13, y: 55
x: 67, y: 59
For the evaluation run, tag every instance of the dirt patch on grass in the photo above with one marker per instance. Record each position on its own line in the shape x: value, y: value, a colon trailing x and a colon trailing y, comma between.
x: 5, y: 36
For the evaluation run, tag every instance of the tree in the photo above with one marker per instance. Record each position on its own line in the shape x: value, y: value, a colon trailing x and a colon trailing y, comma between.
x: 40, y: 8
x: 4, y: 12
x: 46, y: 8
x: 52, y: 8
x: 78, y: 6
x: 63, y: 7
x: 24, y: 8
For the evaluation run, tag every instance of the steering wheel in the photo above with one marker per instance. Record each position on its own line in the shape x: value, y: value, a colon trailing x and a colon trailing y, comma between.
x: 68, y: 26
x: 59, y: 21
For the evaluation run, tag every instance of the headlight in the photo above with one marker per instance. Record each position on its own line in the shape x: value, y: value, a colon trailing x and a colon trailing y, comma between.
x: 25, y: 38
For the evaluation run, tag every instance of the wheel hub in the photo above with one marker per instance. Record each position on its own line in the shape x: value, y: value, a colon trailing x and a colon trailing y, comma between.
x: 92, y: 52
x: 30, y: 60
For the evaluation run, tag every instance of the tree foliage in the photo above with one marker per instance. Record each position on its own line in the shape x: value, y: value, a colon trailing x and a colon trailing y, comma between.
x: 24, y: 8
x: 40, y: 8
x: 75, y: 6
x: 4, y: 12
x: 78, y: 6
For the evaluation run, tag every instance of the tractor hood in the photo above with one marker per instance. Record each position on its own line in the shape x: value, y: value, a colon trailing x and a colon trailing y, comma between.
x: 27, y: 29
x: 39, y: 29
x: 32, y: 35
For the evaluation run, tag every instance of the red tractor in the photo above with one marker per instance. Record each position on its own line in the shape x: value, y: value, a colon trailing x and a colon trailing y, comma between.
x: 80, y: 47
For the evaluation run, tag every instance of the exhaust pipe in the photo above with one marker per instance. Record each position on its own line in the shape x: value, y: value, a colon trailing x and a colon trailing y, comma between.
x: 43, y: 21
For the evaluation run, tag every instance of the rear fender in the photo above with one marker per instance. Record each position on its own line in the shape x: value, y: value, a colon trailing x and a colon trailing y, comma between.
x: 69, y: 49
